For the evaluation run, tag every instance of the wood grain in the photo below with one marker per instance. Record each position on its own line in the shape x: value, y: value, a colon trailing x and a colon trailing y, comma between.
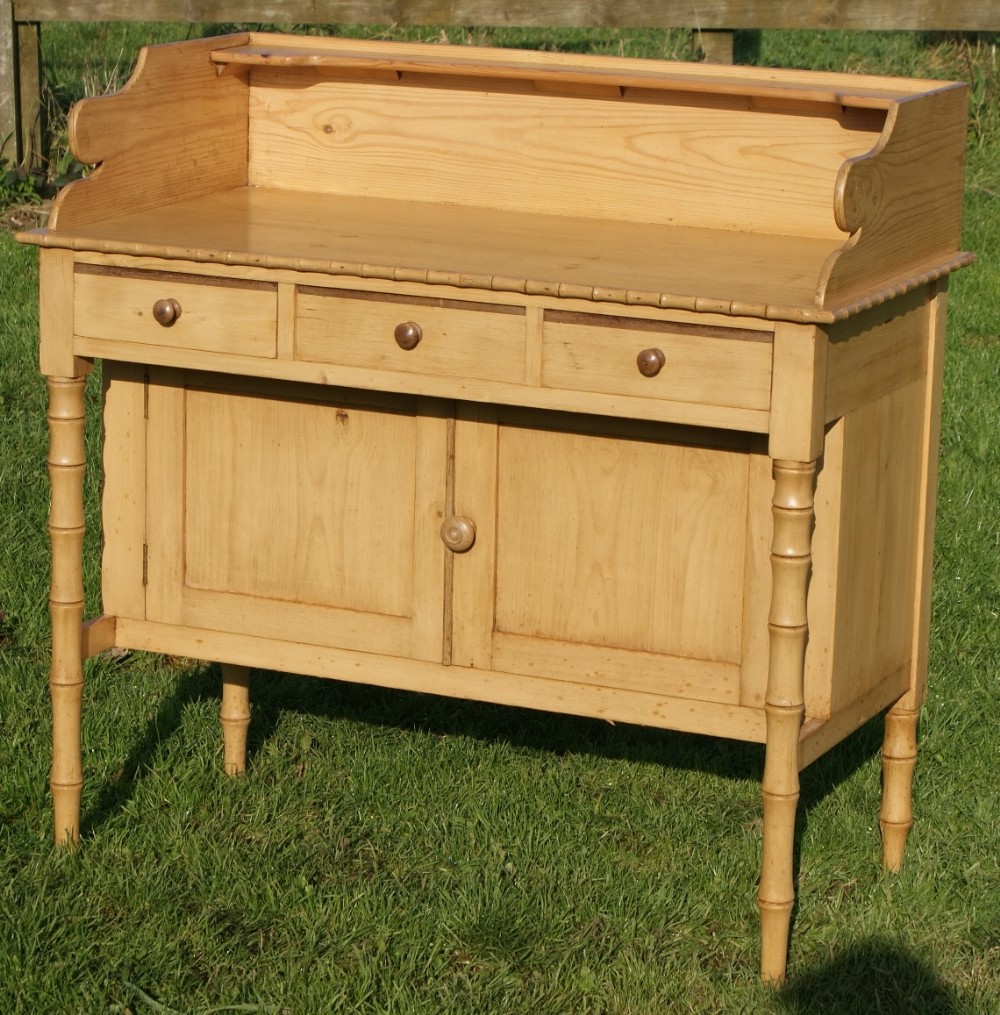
x: 23, y: 22
x: 174, y: 131
x: 902, y: 203
x: 667, y: 162
x: 756, y: 576
x: 878, y: 551
x: 687, y: 268
x: 599, y: 545
x: 876, y: 353
x: 314, y: 529
x: 283, y: 534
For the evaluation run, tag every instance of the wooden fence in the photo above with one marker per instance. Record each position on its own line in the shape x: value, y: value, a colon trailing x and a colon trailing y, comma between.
x: 712, y: 20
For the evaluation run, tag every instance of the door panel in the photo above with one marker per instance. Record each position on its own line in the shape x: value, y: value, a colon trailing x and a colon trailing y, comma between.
x: 305, y: 548
x: 296, y: 512
x: 619, y: 553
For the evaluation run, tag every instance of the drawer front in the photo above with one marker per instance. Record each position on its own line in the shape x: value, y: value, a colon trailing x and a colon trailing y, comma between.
x: 706, y: 365
x: 451, y: 338
x: 177, y: 311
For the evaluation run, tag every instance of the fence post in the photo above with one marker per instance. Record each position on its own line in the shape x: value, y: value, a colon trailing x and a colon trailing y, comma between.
x: 9, y: 129
x: 30, y: 113
x: 716, y: 44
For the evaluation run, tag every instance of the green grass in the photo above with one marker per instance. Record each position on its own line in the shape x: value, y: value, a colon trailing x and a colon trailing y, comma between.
x: 391, y: 852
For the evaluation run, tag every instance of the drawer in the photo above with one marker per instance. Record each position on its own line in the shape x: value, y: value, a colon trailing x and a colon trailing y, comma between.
x: 451, y: 338
x: 707, y: 365
x: 212, y: 315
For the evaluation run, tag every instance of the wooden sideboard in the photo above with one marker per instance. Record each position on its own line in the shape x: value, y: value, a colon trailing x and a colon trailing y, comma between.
x: 594, y: 385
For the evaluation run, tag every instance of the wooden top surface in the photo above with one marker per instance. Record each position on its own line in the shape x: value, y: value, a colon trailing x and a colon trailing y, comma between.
x: 403, y: 240
x: 711, y: 270
x: 349, y: 55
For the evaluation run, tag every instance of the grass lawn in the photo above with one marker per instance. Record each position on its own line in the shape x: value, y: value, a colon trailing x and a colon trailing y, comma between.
x: 393, y: 852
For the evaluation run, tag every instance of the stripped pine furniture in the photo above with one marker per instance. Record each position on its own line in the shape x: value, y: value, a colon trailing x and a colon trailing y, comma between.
x: 594, y: 385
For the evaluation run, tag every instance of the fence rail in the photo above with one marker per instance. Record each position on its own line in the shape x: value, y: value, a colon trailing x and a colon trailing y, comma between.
x: 714, y: 20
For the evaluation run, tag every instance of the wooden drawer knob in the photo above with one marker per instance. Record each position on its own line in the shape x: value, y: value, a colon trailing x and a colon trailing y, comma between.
x: 408, y: 335
x: 166, y: 311
x: 458, y: 533
x: 650, y: 362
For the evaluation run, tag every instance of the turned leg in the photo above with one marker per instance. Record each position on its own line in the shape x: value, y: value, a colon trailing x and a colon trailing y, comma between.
x: 783, y: 706
x: 235, y: 717
x: 899, y: 758
x: 66, y: 468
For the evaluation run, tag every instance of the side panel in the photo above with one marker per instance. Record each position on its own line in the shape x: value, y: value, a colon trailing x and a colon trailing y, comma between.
x: 878, y: 553
x: 175, y: 131
x: 885, y: 386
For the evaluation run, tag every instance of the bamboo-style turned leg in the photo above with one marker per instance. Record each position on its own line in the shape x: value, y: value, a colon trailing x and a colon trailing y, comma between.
x: 235, y: 717
x: 66, y: 468
x: 899, y: 758
x: 790, y: 565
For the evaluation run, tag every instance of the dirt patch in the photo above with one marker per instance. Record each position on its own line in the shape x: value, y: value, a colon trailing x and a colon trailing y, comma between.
x: 19, y: 217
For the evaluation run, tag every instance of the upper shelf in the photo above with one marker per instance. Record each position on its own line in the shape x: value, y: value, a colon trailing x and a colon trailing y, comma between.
x: 796, y: 195
x: 547, y: 68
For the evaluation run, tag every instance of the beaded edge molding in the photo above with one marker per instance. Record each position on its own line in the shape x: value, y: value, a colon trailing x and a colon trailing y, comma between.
x: 528, y: 287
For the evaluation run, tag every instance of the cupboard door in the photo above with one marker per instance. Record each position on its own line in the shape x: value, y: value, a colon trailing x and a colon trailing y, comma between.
x: 294, y: 512
x: 606, y: 552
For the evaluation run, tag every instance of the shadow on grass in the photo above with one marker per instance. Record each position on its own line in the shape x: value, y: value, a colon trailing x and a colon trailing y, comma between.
x: 874, y: 976
x: 274, y: 693
x: 193, y: 684
x: 558, y: 734
x: 747, y: 46
x: 547, y: 732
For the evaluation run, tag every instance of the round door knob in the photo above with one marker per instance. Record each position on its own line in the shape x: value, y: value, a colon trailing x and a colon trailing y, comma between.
x: 166, y: 311
x: 650, y: 362
x: 458, y: 533
x: 408, y: 335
